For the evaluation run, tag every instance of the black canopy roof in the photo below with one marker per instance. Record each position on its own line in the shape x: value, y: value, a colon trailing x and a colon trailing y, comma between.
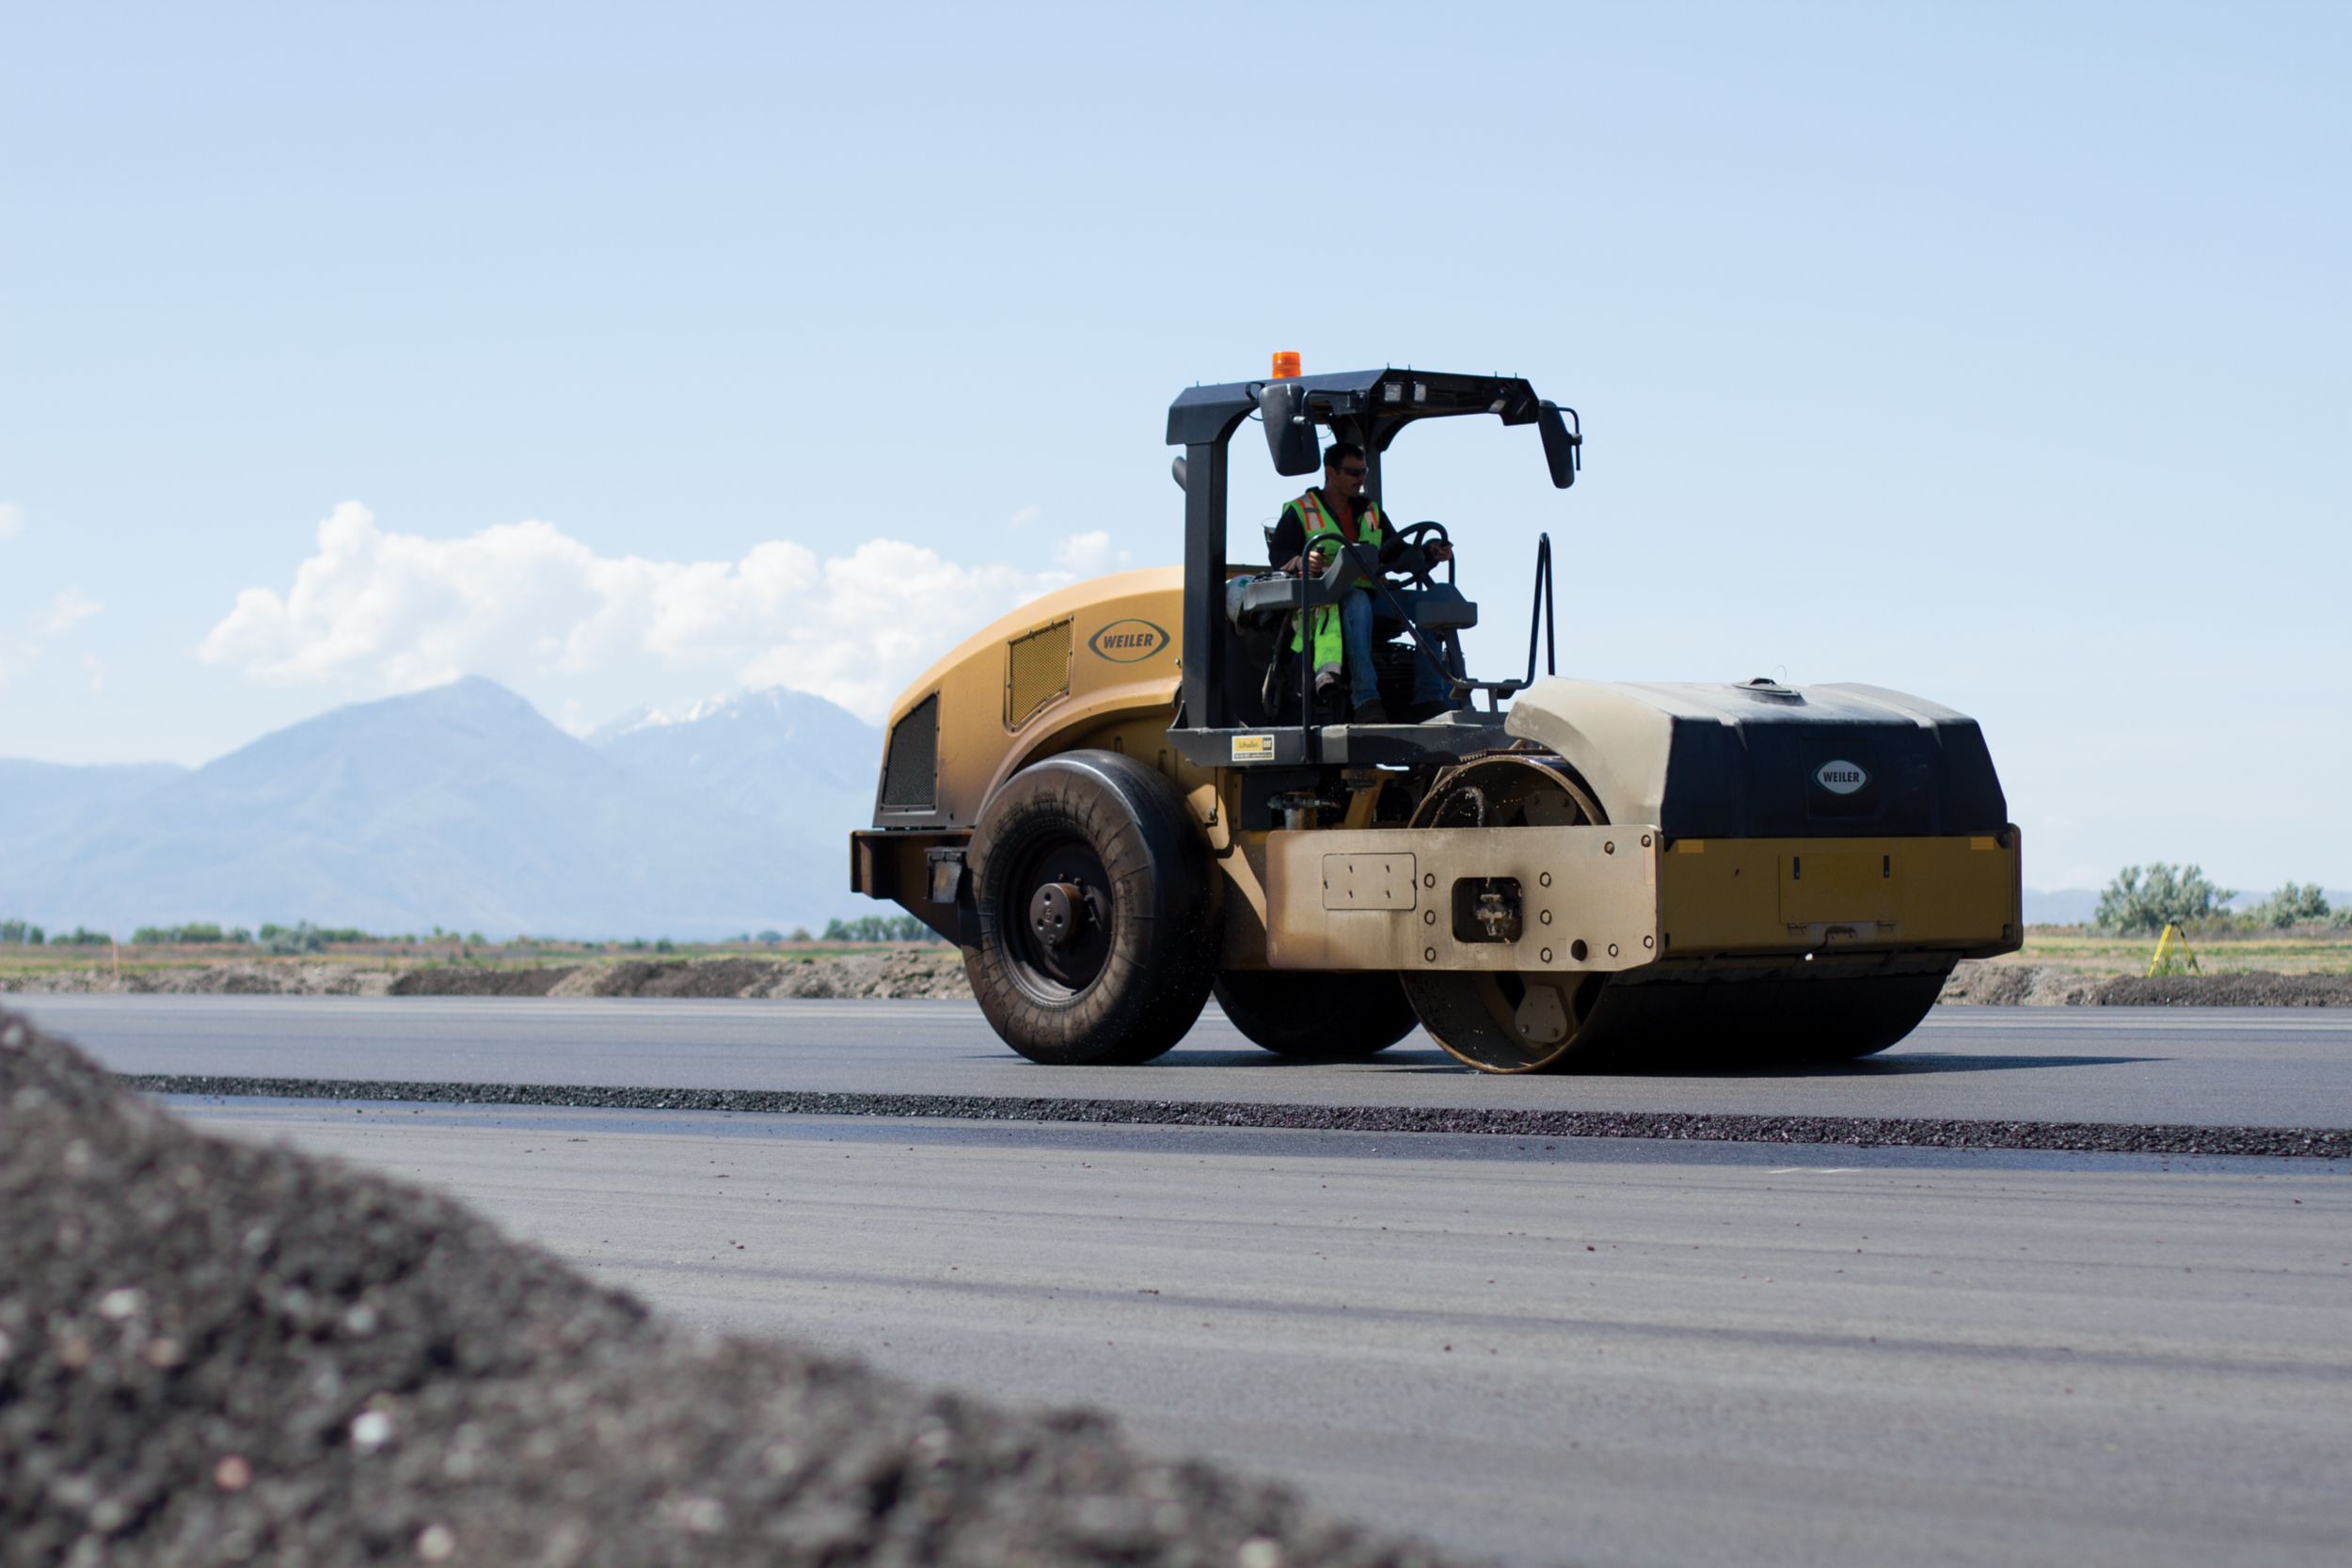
x: 1384, y: 400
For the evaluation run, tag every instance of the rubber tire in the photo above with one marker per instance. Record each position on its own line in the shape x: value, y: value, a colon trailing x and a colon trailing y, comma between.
x: 1314, y: 1017
x: 1155, y: 979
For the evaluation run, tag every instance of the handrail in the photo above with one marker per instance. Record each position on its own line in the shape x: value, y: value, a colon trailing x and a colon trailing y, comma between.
x: 1542, y: 603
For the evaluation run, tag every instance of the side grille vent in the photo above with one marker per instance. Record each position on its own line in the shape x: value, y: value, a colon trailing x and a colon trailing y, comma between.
x: 911, y: 776
x: 1037, y: 670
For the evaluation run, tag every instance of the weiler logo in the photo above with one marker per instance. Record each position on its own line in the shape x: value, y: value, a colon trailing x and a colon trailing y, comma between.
x: 1128, y: 641
x: 1840, y: 777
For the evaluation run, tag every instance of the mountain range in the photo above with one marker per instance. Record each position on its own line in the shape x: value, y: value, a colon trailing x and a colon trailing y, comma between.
x: 462, y: 807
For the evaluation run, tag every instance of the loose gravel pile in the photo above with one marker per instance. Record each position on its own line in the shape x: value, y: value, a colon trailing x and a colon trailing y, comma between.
x: 2249, y: 989
x: 211, y: 1352
x: 465, y: 980
x: 1999, y: 985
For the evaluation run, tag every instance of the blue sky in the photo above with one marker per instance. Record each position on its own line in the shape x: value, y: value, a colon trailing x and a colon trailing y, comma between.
x: 1993, y: 353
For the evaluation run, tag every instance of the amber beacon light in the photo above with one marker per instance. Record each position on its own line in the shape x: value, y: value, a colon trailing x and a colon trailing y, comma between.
x: 1285, y: 364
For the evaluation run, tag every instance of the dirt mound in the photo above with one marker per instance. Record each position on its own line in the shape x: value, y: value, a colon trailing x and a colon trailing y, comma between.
x: 2000, y: 985
x: 464, y: 980
x: 674, y: 977
x: 901, y: 973
x: 248, y: 978
x: 211, y: 1352
x: 2255, y: 988
x: 1988, y: 984
x: 904, y: 974
x: 932, y: 974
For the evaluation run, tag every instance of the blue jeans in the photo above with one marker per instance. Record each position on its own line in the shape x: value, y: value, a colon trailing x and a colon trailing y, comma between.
x: 1360, y: 626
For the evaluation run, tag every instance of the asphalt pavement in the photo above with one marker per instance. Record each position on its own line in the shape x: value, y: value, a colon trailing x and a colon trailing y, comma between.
x: 1533, y: 1350
x: 2201, y: 1066
x: 1608, y: 1351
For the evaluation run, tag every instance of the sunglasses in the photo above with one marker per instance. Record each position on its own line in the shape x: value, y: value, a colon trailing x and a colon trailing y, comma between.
x: 1355, y: 470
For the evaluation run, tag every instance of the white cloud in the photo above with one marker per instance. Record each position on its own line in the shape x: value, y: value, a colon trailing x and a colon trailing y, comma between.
x: 11, y: 519
x: 1087, y: 555
x: 67, y: 610
x: 95, y: 668
x: 409, y: 611
x: 1023, y: 518
x: 20, y: 651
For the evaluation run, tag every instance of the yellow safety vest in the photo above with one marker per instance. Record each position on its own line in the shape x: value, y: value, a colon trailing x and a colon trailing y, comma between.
x: 1330, y: 653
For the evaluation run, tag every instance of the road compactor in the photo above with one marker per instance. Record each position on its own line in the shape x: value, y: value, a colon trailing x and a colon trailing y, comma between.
x: 1128, y: 795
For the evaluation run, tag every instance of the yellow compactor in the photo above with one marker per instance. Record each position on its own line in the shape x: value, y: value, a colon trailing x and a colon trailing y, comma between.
x: 1128, y: 795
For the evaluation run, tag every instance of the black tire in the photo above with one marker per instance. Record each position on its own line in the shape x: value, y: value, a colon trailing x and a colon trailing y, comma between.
x: 1124, y: 969
x: 1316, y: 1017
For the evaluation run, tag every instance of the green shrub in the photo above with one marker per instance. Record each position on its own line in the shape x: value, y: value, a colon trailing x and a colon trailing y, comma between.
x: 2146, y: 901
x: 197, y: 933
x: 150, y: 935
x: 878, y: 927
x: 81, y: 936
x: 20, y: 933
x: 2295, y: 903
x: 302, y: 936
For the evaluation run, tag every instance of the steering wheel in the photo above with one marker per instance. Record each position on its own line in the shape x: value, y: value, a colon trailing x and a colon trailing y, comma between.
x: 1413, y: 535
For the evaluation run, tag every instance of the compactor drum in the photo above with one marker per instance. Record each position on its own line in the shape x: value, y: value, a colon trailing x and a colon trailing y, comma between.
x: 1125, y: 798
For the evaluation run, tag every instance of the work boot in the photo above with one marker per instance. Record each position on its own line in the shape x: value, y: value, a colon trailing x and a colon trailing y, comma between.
x: 1371, y: 712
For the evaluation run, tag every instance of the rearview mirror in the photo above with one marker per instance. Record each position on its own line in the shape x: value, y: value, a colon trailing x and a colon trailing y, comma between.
x: 1290, y: 436
x: 1561, y: 445
x: 1177, y: 469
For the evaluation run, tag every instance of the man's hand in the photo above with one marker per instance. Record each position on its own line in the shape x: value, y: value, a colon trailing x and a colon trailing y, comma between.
x: 1318, y: 558
x: 1439, y: 552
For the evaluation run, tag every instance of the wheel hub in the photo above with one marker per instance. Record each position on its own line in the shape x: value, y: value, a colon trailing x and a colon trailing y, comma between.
x: 1058, y: 913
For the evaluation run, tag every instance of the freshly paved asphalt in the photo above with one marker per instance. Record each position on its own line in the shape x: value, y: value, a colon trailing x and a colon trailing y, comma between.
x: 1606, y: 1352
x: 2206, y: 1066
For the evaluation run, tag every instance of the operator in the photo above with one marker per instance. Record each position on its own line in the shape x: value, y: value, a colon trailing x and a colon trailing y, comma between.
x: 1344, y: 633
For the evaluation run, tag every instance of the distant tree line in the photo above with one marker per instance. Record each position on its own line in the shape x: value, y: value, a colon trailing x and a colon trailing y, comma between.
x: 880, y: 927
x: 2143, y: 900
x: 196, y: 933
x: 23, y: 933
x: 302, y: 936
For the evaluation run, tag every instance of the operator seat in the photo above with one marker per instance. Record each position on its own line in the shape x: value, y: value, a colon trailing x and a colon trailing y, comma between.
x: 1262, y: 677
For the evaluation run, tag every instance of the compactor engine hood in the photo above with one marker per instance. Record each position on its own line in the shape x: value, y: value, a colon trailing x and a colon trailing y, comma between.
x: 1766, y: 761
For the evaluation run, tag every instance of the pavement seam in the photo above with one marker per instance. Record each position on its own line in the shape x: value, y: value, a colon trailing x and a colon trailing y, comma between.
x: 1692, y: 1126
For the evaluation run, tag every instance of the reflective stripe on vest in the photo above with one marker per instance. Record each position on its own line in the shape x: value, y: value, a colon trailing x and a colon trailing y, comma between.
x: 1314, y: 519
